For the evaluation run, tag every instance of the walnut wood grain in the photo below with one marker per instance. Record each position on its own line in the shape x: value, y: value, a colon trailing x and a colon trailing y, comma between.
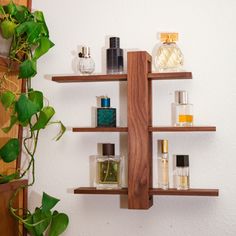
x: 88, y: 78
x: 189, y: 192
x: 139, y: 139
x: 9, y: 225
x: 100, y: 129
x: 182, y: 129
x: 92, y: 190
x: 169, y: 75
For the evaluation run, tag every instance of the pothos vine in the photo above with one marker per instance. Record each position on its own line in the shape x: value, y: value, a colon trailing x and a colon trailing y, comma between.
x: 29, y: 37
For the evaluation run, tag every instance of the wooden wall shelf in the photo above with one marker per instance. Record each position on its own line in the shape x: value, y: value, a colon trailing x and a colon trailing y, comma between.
x: 91, y: 190
x: 169, y: 75
x: 89, y: 78
x: 152, y: 191
x: 140, y: 131
x: 100, y: 129
x: 182, y: 129
x: 189, y: 192
x: 118, y: 77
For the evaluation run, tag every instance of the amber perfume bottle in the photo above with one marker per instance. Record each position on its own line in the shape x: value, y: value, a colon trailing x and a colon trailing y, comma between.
x: 163, y: 164
x: 106, y: 115
x: 108, y: 168
x: 183, y: 110
x: 169, y: 57
x: 182, y: 172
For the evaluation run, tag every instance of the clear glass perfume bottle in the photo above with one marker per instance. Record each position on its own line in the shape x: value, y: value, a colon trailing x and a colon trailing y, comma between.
x: 86, y: 64
x: 182, y: 172
x: 163, y: 164
x: 106, y: 115
x: 184, y: 110
x: 108, y: 168
x: 169, y: 57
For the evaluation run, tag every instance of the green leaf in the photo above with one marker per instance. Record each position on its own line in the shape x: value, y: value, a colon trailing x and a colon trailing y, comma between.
x: 7, y: 99
x: 8, y: 29
x: 32, y: 29
x: 25, y: 109
x: 37, y: 98
x: 22, y: 13
x: 39, y: 216
x: 48, y: 202
x: 44, y: 45
x: 28, y: 69
x: 13, y: 121
x: 10, y: 151
x: 7, y: 178
x: 39, y: 17
x: 62, y: 131
x: 44, y: 117
x: 59, y: 224
x: 11, y: 8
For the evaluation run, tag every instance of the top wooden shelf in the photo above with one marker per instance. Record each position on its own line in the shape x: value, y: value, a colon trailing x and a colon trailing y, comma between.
x: 118, y: 77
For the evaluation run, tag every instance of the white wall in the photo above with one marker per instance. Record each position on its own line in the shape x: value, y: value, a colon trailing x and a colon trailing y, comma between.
x: 207, y: 34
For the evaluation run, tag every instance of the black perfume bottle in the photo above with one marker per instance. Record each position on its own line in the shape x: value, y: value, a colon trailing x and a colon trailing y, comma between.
x: 106, y: 115
x: 115, y: 57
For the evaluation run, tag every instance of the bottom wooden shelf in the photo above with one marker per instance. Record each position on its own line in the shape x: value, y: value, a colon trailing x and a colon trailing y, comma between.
x: 152, y: 191
x: 189, y: 192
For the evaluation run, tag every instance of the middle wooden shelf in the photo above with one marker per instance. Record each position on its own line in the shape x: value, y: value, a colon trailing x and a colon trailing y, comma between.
x: 150, y: 129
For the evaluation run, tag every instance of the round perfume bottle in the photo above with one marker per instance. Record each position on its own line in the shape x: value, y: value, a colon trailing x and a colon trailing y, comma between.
x: 86, y: 64
x: 169, y: 57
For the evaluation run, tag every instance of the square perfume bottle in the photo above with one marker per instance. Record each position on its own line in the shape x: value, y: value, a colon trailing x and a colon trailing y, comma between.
x: 106, y: 115
x: 108, y: 168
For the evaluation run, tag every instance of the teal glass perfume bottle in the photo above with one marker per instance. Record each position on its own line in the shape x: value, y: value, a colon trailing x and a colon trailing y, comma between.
x: 106, y: 115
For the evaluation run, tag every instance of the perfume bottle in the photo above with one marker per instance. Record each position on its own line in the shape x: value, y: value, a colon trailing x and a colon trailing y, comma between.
x: 182, y: 172
x: 184, y: 110
x: 108, y: 168
x: 114, y: 57
x: 169, y: 57
x: 163, y: 164
x: 106, y: 115
x: 86, y: 64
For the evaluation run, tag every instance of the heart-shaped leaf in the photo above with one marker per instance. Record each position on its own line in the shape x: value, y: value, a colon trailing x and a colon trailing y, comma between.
x: 48, y: 202
x: 8, y: 29
x: 25, y: 109
x: 44, y: 117
x: 44, y: 218
x: 59, y: 224
x: 11, y: 8
x: 10, y: 151
x: 44, y: 45
x: 22, y: 13
x: 37, y: 98
x: 7, y: 99
x: 39, y: 17
x: 28, y: 69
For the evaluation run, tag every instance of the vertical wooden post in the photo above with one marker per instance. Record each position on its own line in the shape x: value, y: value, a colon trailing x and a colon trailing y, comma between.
x: 139, y: 139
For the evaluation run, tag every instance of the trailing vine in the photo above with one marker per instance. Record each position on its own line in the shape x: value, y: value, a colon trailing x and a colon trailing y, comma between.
x: 29, y: 37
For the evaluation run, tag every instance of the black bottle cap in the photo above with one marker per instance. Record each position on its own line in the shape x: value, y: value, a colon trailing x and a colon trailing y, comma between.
x: 114, y: 42
x: 108, y: 149
x: 182, y: 160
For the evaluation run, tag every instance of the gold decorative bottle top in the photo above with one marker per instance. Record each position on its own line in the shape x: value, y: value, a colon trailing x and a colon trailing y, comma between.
x: 164, y: 146
x: 169, y: 37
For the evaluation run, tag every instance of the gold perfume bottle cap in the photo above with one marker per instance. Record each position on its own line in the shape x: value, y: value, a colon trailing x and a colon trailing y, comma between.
x: 169, y: 37
x: 164, y: 146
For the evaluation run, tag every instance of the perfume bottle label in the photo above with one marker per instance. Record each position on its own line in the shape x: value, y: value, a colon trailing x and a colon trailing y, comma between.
x: 186, y: 118
x: 165, y: 170
x: 183, y: 182
x: 108, y: 172
x: 106, y: 117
